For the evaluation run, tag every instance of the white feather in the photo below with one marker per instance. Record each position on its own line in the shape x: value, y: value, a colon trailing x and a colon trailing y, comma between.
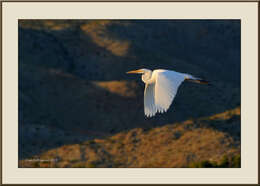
x: 161, y: 87
x: 149, y: 104
x: 161, y: 90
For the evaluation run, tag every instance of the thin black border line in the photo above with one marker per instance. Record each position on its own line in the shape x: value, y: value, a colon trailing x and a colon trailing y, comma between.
x: 1, y: 93
x: 1, y: 84
x: 49, y: 1
x: 258, y: 26
x: 134, y: 1
x: 113, y: 19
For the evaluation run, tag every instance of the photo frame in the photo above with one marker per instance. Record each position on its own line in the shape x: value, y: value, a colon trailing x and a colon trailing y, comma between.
x: 246, y: 11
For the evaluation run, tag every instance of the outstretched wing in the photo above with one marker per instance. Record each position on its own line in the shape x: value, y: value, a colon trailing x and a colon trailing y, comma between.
x: 159, y: 95
x: 149, y: 104
x: 166, y: 86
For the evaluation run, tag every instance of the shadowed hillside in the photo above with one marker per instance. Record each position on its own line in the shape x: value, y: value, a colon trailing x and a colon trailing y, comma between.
x: 73, y: 87
x: 174, y: 145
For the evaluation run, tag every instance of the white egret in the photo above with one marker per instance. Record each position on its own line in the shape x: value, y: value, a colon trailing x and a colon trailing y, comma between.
x: 161, y: 87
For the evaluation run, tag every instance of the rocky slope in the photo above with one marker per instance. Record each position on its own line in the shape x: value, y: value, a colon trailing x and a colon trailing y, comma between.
x: 73, y: 87
x: 173, y: 145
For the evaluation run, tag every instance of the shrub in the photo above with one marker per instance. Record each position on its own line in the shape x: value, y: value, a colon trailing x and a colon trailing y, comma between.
x: 233, y: 162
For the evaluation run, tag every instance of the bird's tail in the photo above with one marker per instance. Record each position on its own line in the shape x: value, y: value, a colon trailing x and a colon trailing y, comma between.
x: 197, y: 80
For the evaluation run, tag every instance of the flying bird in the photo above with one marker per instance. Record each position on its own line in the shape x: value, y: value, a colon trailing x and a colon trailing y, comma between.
x: 161, y: 87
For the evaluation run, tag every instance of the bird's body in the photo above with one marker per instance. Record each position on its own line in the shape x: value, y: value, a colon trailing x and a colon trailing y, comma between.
x: 161, y: 87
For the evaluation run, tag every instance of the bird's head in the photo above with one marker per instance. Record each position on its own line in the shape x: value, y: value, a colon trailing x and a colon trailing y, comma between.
x: 140, y: 71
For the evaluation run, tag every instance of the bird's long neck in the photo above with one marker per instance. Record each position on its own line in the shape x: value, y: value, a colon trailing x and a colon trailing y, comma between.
x: 146, y: 77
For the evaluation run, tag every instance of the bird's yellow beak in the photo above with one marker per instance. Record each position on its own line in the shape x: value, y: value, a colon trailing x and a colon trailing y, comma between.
x: 134, y: 72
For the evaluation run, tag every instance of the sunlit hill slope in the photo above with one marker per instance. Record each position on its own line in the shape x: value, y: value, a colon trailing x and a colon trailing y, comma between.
x: 77, y: 104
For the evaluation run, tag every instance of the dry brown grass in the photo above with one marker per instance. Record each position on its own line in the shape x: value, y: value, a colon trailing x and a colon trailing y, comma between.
x: 69, y: 55
x: 226, y: 115
x: 96, y: 30
x: 122, y: 88
x: 173, y: 145
x: 98, y: 33
x: 45, y: 24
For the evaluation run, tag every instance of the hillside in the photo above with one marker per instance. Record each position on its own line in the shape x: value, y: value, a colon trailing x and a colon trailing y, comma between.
x: 73, y: 87
x: 173, y: 145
